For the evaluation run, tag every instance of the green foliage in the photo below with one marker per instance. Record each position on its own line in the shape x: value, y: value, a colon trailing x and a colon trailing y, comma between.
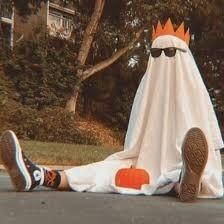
x: 213, y: 70
x: 3, y: 90
x: 27, y: 7
x: 110, y: 96
x: 121, y: 107
x: 42, y: 70
x: 52, y: 125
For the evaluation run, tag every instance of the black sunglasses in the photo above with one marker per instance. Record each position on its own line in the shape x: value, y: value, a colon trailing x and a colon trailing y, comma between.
x: 169, y: 51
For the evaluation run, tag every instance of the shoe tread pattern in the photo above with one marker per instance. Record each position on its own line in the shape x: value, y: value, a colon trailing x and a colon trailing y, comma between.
x: 195, y: 155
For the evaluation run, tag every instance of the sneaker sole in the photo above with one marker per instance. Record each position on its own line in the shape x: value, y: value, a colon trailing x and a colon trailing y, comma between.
x: 195, y: 156
x: 12, y: 159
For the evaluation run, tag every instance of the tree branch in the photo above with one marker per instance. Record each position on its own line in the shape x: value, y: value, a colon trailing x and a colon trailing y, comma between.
x: 104, y: 64
x: 89, y: 32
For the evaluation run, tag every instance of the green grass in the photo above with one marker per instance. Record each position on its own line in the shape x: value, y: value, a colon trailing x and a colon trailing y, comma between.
x: 65, y: 154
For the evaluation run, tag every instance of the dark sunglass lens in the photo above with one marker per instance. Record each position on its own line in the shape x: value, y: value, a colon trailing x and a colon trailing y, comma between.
x: 170, y: 52
x: 156, y: 52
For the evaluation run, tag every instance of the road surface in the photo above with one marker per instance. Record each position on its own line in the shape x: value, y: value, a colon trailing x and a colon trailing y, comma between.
x: 90, y: 208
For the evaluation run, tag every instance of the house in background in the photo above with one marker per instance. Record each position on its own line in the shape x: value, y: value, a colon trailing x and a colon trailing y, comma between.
x: 60, y: 19
x: 53, y: 15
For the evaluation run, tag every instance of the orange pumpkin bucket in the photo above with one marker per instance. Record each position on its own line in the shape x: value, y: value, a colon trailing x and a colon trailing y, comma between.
x: 131, y: 178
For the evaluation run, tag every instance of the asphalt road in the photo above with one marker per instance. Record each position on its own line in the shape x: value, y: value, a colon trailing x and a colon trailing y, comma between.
x: 40, y: 207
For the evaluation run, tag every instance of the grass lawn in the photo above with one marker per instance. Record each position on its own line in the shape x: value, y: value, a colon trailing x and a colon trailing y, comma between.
x: 65, y: 154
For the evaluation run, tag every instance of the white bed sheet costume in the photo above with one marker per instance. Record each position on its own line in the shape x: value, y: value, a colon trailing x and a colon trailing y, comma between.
x: 170, y: 100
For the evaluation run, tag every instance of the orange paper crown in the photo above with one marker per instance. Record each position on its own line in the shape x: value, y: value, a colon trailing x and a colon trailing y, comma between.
x: 169, y: 30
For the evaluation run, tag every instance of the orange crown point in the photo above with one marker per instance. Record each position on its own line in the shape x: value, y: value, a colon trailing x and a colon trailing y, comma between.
x: 187, y: 36
x: 169, y: 30
x: 159, y: 27
x: 153, y: 31
x: 180, y: 31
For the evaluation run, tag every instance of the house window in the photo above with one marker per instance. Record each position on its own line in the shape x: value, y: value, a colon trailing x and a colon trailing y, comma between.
x: 60, y: 23
x: 6, y: 10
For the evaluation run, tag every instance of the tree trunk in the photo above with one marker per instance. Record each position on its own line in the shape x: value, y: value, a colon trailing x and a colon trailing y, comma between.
x: 85, y: 47
x: 71, y: 103
x: 90, y: 31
